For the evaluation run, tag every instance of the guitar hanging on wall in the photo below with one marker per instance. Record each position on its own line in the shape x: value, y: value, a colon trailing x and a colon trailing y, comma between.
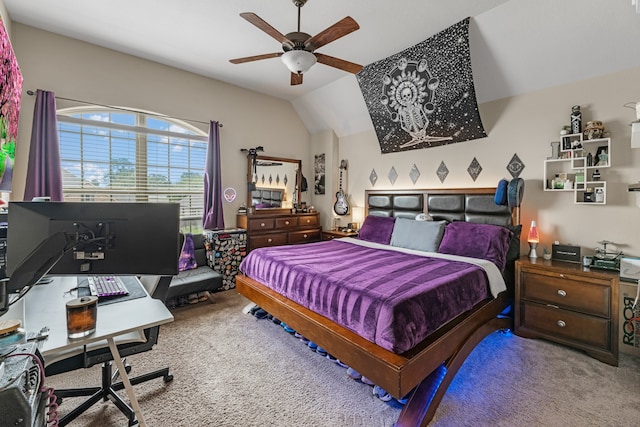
x: 341, y: 206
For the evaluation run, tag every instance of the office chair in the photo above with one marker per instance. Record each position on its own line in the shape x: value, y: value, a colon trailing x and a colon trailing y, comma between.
x: 137, y: 342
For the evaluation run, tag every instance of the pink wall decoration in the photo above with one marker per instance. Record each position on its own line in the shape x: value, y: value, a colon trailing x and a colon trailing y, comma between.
x: 10, y: 94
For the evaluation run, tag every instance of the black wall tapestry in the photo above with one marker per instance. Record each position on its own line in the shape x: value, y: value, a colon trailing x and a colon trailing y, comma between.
x: 424, y: 96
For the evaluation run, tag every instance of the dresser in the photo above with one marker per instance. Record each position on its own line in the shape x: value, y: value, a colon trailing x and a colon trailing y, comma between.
x: 568, y: 304
x: 273, y: 229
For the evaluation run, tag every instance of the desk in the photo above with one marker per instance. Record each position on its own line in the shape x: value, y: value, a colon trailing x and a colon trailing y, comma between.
x: 45, y: 306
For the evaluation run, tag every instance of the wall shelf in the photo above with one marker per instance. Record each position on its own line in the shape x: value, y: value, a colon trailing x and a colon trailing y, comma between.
x: 583, y: 163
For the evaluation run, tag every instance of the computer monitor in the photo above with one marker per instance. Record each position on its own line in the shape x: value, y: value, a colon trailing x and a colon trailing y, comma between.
x: 70, y: 238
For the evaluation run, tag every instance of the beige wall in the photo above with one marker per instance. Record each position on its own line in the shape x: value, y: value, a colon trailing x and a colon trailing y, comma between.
x: 325, y: 143
x: 78, y: 70
x: 526, y: 125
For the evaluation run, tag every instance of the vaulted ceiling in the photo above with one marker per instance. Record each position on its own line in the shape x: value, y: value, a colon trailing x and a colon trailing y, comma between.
x: 517, y: 46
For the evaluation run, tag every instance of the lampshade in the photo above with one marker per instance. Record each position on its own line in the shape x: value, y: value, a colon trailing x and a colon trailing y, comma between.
x: 635, y: 135
x: 298, y: 61
x: 533, y: 233
x: 357, y: 215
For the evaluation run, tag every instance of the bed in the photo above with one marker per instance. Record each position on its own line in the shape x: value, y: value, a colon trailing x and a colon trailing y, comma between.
x: 419, y: 371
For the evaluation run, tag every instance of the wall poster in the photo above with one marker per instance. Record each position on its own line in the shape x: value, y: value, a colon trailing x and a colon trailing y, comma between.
x: 319, y: 172
x: 424, y: 96
x: 10, y: 94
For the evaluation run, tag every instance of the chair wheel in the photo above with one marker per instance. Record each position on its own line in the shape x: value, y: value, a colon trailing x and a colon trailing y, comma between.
x: 127, y: 368
x: 58, y: 401
x: 168, y: 378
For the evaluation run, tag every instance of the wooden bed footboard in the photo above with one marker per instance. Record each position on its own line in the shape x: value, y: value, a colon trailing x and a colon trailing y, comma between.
x: 422, y: 374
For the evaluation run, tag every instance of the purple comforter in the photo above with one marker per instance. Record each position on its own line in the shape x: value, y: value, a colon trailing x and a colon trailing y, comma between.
x: 392, y: 299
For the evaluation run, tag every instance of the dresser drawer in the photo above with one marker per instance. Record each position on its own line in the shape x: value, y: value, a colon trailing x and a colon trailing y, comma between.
x: 567, y: 291
x: 556, y: 322
x: 304, y: 236
x: 308, y: 221
x: 271, y: 239
x: 284, y: 223
x: 262, y: 224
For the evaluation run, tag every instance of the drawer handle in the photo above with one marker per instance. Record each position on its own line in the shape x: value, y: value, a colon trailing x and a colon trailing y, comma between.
x: 552, y: 306
x: 262, y: 224
x: 562, y: 293
x: 562, y: 275
x: 286, y: 223
x: 561, y: 323
x: 305, y: 236
x: 308, y: 221
x: 270, y: 240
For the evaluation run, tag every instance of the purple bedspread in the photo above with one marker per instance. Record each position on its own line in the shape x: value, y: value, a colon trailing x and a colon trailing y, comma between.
x: 392, y: 299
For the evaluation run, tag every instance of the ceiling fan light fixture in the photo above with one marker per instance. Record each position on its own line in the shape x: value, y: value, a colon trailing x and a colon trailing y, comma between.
x: 298, y: 61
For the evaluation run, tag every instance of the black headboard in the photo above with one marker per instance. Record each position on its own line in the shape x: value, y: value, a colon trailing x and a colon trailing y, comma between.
x: 458, y: 204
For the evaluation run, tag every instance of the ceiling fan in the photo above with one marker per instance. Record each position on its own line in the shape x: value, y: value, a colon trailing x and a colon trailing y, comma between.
x: 299, y: 48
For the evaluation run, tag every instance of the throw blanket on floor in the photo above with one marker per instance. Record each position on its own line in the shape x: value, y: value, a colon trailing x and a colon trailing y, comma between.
x: 391, y: 298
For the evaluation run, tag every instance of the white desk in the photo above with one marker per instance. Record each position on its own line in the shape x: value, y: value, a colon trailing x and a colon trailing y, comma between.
x: 45, y: 306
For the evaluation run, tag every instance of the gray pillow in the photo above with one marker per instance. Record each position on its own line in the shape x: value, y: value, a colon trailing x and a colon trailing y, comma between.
x: 419, y: 235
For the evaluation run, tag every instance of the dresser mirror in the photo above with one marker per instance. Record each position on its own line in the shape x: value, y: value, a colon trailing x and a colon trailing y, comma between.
x: 273, y: 183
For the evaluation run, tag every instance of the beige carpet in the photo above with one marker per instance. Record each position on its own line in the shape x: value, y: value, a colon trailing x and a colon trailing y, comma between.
x: 234, y: 370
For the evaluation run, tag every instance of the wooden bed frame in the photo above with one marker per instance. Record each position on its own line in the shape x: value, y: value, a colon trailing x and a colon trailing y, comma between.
x: 424, y: 373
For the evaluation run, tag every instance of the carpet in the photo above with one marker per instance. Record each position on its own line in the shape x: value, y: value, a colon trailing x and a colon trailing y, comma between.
x: 231, y: 369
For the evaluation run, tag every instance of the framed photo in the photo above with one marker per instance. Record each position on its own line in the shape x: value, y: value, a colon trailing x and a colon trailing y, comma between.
x: 570, y: 142
x: 602, y: 156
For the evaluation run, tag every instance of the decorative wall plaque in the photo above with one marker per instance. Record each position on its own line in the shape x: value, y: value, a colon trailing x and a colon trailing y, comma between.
x: 474, y: 169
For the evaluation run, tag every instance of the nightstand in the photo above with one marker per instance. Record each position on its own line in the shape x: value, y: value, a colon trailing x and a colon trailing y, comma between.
x: 334, y: 234
x: 568, y: 304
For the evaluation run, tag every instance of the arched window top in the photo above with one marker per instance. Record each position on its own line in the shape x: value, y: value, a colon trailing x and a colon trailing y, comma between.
x: 118, y: 117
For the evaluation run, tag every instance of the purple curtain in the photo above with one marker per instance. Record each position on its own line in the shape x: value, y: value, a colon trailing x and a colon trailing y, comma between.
x: 44, y: 173
x: 213, y: 218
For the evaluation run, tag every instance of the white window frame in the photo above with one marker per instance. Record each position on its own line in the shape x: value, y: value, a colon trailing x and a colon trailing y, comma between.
x: 191, y: 205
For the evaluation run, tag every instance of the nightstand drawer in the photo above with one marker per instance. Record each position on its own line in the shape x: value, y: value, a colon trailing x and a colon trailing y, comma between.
x: 566, y: 291
x: 578, y: 328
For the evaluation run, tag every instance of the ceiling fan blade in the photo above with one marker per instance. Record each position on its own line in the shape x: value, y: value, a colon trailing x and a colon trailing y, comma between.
x: 255, y: 58
x: 339, y: 29
x: 296, y: 79
x: 338, y: 63
x: 264, y: 26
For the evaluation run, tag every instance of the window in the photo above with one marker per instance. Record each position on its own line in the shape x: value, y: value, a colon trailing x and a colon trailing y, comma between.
x: 110, y: 155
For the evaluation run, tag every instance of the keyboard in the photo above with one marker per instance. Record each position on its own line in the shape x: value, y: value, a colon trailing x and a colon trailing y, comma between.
x: 106, y: 286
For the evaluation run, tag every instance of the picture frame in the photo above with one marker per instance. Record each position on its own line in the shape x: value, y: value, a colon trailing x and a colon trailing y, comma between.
x: 570, y: 142
x: 597, y: 161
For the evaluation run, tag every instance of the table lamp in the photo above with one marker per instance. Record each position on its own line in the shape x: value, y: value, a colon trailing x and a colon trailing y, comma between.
x: 533, y: 240
x: 357, y: 215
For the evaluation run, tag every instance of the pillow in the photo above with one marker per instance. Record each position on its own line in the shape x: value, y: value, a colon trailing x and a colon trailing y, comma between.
x: 419, y: 235
x: 500, y: 198
x: 484, y: 241
x: 377, y: 229
x: 187, y: 260
x: 514, y: 244
x: 424, y: 217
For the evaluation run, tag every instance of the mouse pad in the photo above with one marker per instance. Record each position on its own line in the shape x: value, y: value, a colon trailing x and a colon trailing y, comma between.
x: 132, y: 284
